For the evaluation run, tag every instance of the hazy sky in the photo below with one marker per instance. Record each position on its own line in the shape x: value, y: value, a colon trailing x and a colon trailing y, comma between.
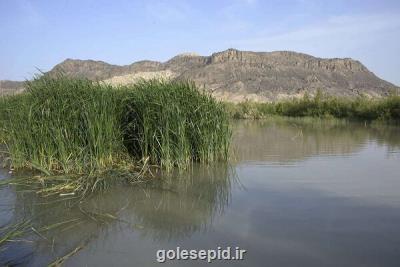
x: 39, y: 34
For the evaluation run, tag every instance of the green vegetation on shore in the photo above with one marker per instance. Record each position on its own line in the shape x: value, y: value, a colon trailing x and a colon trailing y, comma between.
x: 4, y: 100
x: 83, y: 129
x: 64, y: 126
x: 173, y: 124
x: 362, y: 108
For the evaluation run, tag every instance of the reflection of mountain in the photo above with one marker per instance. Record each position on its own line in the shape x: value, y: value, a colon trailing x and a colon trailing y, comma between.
x: 285, y: 140
x: 171, y: 208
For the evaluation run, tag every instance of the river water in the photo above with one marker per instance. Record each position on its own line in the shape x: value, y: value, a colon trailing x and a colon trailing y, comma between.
x: 297, y: 192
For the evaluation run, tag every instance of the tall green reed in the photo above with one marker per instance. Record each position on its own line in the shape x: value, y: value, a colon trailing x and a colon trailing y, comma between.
x: 173, y: 124
x: 64, y: 125
x: 74, y: 126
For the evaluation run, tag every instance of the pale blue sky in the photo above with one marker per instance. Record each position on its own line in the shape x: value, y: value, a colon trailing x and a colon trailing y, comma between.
x: 39, y: 34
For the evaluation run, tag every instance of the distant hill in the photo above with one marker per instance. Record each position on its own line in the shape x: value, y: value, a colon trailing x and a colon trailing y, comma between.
x: 10, y: 87
x: 239, y: 75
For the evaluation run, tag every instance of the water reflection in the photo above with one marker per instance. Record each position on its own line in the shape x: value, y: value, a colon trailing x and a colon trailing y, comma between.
x: 173, y: 207
x: 286, y: 141
x: 184, y: 205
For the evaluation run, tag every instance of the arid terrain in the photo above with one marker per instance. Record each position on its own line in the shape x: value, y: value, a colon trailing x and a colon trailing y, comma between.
x: 235, y: 76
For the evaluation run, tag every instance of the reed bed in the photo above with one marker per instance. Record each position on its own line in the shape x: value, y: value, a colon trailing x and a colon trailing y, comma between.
x: 3, y: 111
x: 173, y: 124
x: 385, y: 109
x: 64, y: 126
x: 80, y: 128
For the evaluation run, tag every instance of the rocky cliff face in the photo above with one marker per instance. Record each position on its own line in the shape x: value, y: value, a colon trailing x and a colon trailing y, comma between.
x: 235, y: 75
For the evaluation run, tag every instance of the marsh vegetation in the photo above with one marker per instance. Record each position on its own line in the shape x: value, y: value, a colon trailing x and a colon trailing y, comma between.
x: 75, y: 132
x: 385, y: 109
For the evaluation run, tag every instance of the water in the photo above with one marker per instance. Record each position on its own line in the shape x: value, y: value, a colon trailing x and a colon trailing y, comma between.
x: 297, y: 193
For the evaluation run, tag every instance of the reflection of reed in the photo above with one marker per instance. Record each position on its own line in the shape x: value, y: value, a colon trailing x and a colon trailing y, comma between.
x: 167, y: 208
x: 184, y: 203
x: 285, y: 140
x: 386, y: 135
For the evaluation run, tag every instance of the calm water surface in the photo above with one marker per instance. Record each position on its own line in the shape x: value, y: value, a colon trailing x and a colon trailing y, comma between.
x: 296, y: 193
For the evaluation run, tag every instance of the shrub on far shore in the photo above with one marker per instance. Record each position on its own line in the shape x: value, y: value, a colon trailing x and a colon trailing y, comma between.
x: 361, y: 108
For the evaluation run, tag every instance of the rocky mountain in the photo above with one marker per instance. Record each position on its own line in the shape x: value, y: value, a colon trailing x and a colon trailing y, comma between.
x: 235, y: 75
x: 99, y: 70
x: 10, y: 87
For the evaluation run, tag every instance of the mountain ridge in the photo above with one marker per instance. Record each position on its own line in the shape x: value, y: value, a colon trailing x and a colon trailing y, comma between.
x: 235, y: 75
